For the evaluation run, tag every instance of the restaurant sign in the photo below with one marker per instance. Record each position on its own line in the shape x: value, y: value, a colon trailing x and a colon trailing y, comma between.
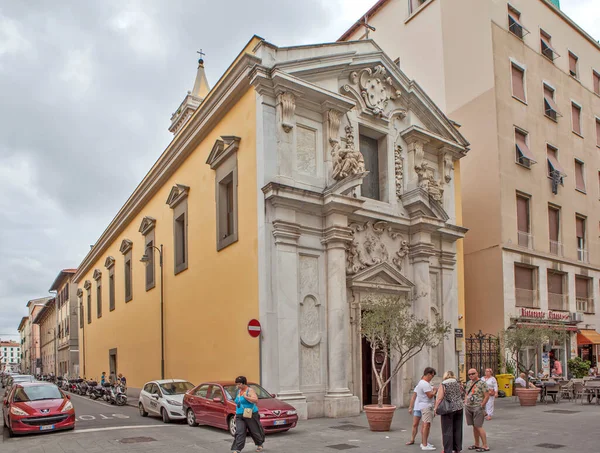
x: 548, y: 315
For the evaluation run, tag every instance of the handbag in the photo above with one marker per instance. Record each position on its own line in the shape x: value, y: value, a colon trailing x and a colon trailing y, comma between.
x: 444, y: 406
x: 247, y: 410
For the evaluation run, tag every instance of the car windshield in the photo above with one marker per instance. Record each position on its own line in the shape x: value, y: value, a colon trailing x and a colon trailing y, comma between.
x: 23, y: 379
x: 176, y: 388
x: 260, y: 392
x: 37, y: 393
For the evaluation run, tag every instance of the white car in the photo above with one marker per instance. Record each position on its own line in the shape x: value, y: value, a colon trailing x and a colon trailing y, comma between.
x: 164, y: 398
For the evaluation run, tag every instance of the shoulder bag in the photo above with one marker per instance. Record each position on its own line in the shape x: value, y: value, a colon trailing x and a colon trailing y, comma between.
x: 444, y: 406
x: 247, y: 410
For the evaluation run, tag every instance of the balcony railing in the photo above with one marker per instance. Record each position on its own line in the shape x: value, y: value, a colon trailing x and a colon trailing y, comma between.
x: 525, y: 239
x: 585, y: 305
x: 582, y: 255
x: 556, y: 248
x: 526, y: 298
x: 559, y: 302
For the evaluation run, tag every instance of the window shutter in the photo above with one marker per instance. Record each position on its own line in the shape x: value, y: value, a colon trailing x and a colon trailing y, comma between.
x: 597, y: 131
x: 576, y: 115
x: 523, y: 214
x: 579, y: 181
x: 524, y: 278
x: 553, y: 217
x: 551, y: 153
x: 596, y: 82
x: 555, y: 283
x: 581, y: 287
x: 572, y: 64
x: 580, y: 227
x: 549, y: 97
x: 521, y: 142
x: 518, y: 83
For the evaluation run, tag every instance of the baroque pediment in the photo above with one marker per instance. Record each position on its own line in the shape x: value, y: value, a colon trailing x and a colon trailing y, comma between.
x: 381, y: 277
x: 147, y: 225
x: 97, y: 274
x: 224, y: 147
x: 126, y: 245
x: 178, y: 193
x: 374, y: 243
x: 87, y: 284
x: 109, y: 262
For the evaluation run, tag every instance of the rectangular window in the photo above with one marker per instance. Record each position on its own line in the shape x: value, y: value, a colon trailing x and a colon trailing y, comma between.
x: 180, y: 243
x: 99, y: 298
x: 523, y: 221
x: 514, y: 23
x: 579, y: 176
x: 573, y: 64
x: 557, y: 296
x: 550, y: 108
x: 227, y: 208
x: 596, y: 81
x: 554, y: 230
x: 580, y: 228
x: 81, y: 313
x: 150, y: 272
x: 523, y: 156
x: 111, y: 290
x: 546, y: 46
x: 554, y: 165
x: 89, y: 306
x: 370, y: 151
x: 518, y: 82
x: 415, y: 5
x: 525, y: 287
x: 576, y: 118
x: 128, y: 278
x: 585, y: 303
x: 598, y: 132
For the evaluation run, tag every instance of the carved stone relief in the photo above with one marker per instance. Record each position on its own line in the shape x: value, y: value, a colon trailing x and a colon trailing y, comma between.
x: 376, y: 88
x: 311, y: 366
x: 309, y: 274
x: 448, y: 167
x: 347, y: 161
x: 310, y: 322
x: 399, y: 169
x: 428, y: 182
x: 333, y: 126
x: 374, y: 243
x: 306, y: 150
x: 287, y: 106
x: 435, y: 299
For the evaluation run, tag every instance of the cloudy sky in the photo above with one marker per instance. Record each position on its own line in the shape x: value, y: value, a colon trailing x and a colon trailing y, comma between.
x: 86, y: 92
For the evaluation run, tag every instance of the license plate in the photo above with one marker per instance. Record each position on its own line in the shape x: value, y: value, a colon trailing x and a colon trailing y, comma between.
x: 46, y: 428
x: 279, y: 422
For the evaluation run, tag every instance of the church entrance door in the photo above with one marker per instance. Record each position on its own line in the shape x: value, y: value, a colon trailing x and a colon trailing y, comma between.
x: 369, y: 380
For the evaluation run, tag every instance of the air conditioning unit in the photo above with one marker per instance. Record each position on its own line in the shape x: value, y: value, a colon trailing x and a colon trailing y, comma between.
x: 577, y: 317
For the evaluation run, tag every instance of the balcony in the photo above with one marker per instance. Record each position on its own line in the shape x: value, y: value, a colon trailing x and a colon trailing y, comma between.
x: 556, y: 248
x: 527, y: 298
x: 558, y: 302
x: 582, y: 255
x: 525, y: 239
x: 585, y: 305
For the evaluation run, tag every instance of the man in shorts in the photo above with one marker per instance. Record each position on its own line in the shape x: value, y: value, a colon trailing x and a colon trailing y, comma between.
x: 476, y: 398
x: 424, y: 402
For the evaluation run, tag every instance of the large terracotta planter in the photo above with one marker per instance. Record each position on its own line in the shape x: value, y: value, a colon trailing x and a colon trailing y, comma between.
x: 528, y: 397
x: 380, y: 418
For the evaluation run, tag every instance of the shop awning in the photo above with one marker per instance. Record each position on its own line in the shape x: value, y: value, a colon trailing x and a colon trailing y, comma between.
x: 588, y: 337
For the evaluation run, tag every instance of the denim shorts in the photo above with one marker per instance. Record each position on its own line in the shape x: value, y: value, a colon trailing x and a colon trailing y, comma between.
x: 417, y: 414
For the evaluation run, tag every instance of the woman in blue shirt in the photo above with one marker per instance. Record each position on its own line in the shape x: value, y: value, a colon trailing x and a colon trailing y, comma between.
x: 246, y: 417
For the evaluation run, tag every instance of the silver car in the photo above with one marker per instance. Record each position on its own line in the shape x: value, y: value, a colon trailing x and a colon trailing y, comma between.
x: 164, y: 398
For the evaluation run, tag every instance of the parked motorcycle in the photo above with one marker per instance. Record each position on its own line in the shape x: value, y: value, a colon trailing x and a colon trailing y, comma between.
x: 118, y: 395
x: 96, y: 391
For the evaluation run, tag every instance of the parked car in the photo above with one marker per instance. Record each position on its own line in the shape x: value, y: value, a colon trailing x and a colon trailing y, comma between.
x: 16, y: 379
x: 211, y: 403
x: 164, y: 398
x: 37, y: 407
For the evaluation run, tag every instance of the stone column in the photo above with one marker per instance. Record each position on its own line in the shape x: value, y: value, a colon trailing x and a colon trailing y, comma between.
x: 285, y: 293
x: 449, y: 279
x: 339, y: 401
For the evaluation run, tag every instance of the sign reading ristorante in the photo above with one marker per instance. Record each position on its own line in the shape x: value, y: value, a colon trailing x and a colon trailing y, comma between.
x: 550, y: 315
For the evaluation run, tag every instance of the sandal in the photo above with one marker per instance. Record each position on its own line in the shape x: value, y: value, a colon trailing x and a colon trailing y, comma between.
x: 483, y: 449
x: 474, y: 447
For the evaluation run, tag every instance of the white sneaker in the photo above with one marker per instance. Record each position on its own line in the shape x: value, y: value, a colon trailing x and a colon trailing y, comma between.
x: 427, y: 447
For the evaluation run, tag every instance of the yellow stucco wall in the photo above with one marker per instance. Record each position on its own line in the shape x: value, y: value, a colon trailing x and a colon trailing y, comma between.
x: 460, y: 260
x: 207, y: 306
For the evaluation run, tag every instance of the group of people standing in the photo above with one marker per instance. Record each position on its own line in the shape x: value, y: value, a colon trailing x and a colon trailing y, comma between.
x: 476, y: 402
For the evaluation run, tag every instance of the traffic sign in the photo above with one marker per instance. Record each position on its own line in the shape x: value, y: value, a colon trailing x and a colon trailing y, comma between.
x: 254, y: 328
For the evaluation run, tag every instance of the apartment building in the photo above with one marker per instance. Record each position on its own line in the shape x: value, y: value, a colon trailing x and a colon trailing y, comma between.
x: 46, y: 322
x: 523, y: 80
x: 67, y: 332
x: 10, y: 355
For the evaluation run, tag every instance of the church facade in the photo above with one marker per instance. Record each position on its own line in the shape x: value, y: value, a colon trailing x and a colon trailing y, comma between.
x: 306, y: 180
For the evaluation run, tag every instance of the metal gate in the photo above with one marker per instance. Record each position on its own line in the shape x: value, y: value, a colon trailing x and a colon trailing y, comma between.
x: 482, y: 352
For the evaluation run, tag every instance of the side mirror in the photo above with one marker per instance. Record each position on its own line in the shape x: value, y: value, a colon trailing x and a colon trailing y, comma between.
x: 274, y: 395
x: 217, y: 400
x: 68, y: 396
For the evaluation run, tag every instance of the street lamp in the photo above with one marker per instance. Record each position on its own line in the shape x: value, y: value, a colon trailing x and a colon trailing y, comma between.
x: 146, y: 260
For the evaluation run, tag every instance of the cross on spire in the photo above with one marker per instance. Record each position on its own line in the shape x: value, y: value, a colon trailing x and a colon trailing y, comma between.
x: 201, y: 53
x: 368, y: 28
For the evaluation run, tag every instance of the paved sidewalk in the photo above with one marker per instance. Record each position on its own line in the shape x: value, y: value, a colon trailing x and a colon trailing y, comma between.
x: 514, y: 428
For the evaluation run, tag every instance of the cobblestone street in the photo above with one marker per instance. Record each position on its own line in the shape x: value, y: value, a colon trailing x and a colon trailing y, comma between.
x: 573, y: 428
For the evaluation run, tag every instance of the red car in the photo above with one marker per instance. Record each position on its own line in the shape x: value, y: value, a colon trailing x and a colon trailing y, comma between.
x: 37, y: 407
x: 212, y: 404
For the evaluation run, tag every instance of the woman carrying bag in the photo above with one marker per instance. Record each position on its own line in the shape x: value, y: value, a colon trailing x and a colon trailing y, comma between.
x: 449, y: 405
x: 246, y: 417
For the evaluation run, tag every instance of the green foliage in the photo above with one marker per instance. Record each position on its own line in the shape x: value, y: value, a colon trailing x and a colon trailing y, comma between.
x: 391, y: 328
x: 517, y: 339
x: 579, y: 367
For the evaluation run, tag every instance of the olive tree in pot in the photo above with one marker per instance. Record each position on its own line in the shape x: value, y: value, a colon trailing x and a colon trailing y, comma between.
x: 391, y: 328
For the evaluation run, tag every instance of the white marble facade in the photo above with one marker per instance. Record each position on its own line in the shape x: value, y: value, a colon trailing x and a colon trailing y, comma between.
x: 322, y: 245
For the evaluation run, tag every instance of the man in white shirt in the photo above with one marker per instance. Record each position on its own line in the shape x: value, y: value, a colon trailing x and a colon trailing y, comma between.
x: 424, y: 402
x: 521, y: 381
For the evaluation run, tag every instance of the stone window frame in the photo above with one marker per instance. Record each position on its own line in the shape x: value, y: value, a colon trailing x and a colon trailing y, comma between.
x: 88, y: 287
x: 383, y: 171
x: 110, y: 265
x: 223, y: 160
x: 98, y: 277
x: 177, y: 201
x: 147, y: 230
x: 523, y: 68
x: 80, y: 305
x: 126, y: 250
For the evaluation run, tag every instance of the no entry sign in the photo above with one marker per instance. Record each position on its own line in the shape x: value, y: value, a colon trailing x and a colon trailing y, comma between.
x: 254, y: 328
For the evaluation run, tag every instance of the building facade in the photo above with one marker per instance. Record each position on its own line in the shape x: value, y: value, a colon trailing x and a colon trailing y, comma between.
x: 524, y: 81
x: 308, y: 180
x: 67, y: 319
x: 46, y: 322
x: 31, y: 362
x: 10, y: 355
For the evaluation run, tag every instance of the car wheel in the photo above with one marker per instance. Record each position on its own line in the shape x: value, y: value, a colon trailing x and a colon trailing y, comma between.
x: 143, y: 412
x: 191, y: 418
x: 231, y: 424
x: 165, y: 416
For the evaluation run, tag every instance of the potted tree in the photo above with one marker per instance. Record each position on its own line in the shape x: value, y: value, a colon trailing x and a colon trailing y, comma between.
x: 392, y: 330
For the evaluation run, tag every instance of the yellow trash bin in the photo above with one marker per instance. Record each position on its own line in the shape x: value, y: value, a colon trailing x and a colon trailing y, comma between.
x: 505, y: 383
